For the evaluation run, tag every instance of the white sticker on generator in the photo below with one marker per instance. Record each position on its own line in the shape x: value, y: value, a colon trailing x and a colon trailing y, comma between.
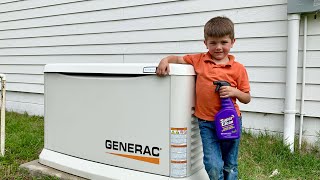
x: 179, y: 149
x: 178, y: 152
x: 178, y: 136
x: 178, y: 169
x: 178, y: 156
x: 151, y: 69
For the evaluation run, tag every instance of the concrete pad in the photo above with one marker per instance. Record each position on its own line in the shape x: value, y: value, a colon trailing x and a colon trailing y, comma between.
x: 36, y: 169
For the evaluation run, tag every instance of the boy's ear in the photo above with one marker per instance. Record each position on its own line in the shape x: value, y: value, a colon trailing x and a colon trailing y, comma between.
x: 233, y: 41
x: 205, y: 43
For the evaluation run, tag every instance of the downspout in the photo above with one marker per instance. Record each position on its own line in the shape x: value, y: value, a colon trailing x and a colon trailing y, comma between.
x: 303, y: 83
x: 291, y: 80
x: 3, y: 111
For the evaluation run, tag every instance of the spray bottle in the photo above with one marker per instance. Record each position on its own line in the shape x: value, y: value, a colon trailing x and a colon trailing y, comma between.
x: 226, y: 120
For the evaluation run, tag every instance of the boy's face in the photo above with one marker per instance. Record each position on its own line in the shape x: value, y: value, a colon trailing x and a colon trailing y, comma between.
x: 219, y: 47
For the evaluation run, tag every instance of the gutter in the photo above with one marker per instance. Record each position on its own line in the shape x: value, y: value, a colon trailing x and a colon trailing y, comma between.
x: 291, y: 80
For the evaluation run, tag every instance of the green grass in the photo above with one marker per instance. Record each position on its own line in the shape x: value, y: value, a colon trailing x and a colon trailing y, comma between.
x: 259, y: 155
x: 262, y: 154
x: 24, y: 142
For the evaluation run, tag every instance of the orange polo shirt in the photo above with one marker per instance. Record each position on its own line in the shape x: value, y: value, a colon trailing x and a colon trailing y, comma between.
x: 207, y: 100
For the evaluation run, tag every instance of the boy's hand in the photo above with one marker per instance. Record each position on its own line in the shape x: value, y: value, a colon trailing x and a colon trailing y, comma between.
x: 228, y: 91
x: 163, y: 68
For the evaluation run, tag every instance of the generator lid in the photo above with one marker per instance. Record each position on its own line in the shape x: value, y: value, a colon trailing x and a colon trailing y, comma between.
x: 117, y: 68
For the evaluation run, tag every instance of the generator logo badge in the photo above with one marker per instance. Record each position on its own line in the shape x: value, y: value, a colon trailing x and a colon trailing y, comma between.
x: 138, y: 152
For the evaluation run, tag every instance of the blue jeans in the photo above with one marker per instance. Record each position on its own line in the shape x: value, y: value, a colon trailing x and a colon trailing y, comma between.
x: 220, y: 156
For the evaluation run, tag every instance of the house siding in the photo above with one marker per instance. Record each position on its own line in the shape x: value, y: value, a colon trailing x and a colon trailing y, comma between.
x: 34, y: 33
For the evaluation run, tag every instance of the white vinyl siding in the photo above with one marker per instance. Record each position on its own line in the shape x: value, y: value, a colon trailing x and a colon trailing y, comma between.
x: 34, y: 33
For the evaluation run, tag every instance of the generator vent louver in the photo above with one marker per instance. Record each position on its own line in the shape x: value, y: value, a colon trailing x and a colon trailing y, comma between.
x: 196, y: 146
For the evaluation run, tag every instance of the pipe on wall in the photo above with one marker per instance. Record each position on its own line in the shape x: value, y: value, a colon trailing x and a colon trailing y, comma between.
x: 303, y: 83
x: 3, y: 111
x: 291, y: 80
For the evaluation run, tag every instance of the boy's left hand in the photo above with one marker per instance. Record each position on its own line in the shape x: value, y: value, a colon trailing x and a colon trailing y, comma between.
x: 228, y: 91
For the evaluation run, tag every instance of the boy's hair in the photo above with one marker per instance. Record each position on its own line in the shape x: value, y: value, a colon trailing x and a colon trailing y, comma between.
x: 218, y: 27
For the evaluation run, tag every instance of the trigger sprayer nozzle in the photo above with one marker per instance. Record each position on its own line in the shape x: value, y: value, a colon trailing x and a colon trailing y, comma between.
x: 221, y: 83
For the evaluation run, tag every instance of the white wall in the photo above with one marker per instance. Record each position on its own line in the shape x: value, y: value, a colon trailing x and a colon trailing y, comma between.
x: 34, y: 33
x: 273, y: 93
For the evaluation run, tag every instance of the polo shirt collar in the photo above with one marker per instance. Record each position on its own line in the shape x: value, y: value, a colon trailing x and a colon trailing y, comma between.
x: 207, y: 58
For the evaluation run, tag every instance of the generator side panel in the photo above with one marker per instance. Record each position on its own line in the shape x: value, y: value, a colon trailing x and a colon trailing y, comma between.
x: 186, y: 147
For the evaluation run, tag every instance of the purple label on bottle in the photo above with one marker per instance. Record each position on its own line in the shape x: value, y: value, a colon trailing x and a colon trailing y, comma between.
x: 227, y: 124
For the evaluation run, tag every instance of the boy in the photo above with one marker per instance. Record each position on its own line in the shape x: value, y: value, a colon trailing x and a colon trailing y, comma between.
x: 220, y: 156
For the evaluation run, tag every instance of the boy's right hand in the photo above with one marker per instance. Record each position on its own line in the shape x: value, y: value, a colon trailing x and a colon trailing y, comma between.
x: 163, y: 68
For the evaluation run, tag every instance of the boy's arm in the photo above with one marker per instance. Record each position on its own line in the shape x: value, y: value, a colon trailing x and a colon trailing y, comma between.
x: 163, y: 67
x: 243, y: 97
x: 228, y: 91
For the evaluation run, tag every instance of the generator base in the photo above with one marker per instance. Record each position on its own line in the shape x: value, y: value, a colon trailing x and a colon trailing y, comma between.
x: 92, y: 170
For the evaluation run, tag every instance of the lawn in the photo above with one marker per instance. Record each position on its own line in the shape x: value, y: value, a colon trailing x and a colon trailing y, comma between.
x: 260, y: 156
x: 24, y: 142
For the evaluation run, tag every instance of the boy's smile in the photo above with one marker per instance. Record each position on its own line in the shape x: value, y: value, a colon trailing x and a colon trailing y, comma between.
x: 219, y: 48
